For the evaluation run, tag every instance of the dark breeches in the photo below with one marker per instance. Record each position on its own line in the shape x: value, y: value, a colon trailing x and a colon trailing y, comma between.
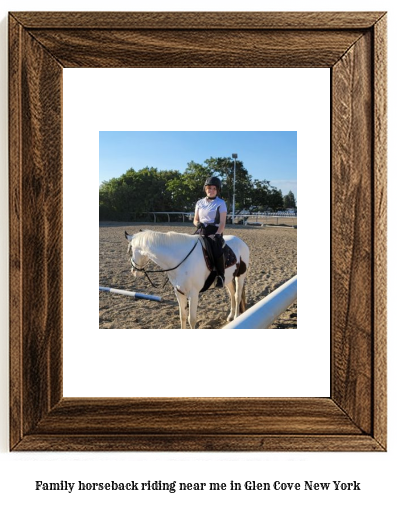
x: 217, y: 243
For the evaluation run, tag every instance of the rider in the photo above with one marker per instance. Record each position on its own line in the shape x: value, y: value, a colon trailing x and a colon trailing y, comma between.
x: 210, y: 217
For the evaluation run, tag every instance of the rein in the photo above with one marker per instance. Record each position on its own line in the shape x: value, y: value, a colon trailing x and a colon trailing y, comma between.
x: 161, y: 270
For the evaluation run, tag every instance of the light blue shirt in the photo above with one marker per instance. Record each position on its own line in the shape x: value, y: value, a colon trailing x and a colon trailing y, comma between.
x: 207, y: 209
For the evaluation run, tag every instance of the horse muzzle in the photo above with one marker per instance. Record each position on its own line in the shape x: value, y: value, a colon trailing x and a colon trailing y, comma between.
x: 136, y: 273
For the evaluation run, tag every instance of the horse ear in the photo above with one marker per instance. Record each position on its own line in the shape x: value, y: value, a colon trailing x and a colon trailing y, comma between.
x: 128, y: 237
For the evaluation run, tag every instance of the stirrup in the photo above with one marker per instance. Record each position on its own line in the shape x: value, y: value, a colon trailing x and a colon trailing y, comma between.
x: 220, y: 282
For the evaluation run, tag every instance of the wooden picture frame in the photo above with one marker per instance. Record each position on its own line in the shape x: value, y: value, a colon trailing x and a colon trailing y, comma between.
x: 353, y: 46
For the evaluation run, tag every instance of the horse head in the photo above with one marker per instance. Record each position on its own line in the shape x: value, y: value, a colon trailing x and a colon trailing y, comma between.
x: 138, y: 259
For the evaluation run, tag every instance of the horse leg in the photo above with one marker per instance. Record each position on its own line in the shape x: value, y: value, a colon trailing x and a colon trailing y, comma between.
x: 232, y: 292
x: 239, y: 290
x: 193, y: 303
x: 182, y: 300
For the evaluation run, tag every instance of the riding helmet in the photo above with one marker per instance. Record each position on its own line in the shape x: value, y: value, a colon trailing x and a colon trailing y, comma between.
x: 213, y: 180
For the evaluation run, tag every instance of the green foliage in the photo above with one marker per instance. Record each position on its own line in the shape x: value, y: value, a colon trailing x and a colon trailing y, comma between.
x: 187, y: 189
x: 289, y: 200
x: 135, y: 193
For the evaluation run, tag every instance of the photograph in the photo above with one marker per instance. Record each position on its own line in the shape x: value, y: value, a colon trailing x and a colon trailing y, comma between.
x: 192, y: 235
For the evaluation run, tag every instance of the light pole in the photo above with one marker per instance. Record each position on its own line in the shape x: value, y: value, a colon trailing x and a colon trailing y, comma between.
x: 234, y: 156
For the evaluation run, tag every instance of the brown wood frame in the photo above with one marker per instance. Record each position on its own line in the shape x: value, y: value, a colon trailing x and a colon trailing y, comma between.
x: 353, y: 46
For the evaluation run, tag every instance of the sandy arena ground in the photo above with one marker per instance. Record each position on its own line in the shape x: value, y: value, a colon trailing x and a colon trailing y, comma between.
x: 273, y: 261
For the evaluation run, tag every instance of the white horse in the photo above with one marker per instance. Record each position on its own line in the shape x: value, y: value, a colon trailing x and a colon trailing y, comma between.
x: 181, y: 257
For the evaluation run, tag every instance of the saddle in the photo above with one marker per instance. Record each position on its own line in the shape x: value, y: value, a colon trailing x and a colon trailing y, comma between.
x: 228, y: 254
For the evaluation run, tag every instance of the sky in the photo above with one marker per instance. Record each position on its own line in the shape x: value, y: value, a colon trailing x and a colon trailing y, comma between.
x: 266, y: 155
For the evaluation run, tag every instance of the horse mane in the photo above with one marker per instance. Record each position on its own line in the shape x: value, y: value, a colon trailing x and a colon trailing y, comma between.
x: 166, y: 239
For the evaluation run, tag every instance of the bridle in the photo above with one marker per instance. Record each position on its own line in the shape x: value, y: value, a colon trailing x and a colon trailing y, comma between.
x: 160, y: 270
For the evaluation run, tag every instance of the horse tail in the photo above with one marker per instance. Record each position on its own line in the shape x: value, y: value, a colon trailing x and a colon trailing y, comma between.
x: 243, y: 303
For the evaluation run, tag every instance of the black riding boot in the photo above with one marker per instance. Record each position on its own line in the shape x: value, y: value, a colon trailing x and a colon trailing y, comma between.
x: 220, y: 268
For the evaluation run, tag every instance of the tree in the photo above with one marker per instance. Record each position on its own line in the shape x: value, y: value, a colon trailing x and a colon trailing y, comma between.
x: 275, y: 199
x: 289, y: 200
x: 260, y: 194
x: 138, y: 192
x: 186, y: 189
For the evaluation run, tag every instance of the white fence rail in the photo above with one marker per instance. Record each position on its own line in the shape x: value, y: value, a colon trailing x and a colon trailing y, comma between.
x: 271, y: 219
x: 245, y: 219
x: 184, y: 214
x: 264, y: 313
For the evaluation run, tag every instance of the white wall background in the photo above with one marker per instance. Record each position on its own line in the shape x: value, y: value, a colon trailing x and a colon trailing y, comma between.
x: 18, y: 472
x: 270, y: 362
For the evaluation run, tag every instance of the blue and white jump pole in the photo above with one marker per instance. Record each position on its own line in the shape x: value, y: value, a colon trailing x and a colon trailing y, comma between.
x: 135, y: 295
